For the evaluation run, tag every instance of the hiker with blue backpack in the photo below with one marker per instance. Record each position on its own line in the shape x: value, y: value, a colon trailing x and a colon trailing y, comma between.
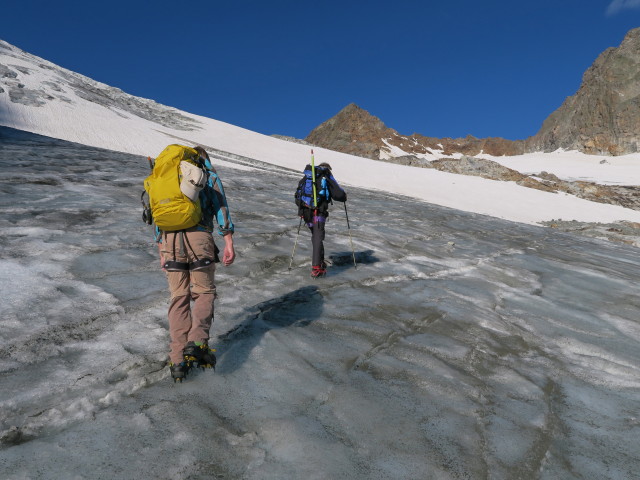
x: 185, y: 195
x: 316, y: 191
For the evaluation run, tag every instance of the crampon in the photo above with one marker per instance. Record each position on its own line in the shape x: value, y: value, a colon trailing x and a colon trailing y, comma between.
x: 179, y: 371
x: 199, y: 355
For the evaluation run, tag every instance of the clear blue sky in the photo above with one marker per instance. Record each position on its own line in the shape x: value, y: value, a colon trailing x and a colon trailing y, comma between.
x: 443, y: 68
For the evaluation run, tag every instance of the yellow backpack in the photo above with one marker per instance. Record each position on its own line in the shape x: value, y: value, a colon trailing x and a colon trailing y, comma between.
x: 171, y: 209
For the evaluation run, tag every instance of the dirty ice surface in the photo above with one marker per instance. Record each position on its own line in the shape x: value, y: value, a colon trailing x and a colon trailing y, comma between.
x: 462, y: 346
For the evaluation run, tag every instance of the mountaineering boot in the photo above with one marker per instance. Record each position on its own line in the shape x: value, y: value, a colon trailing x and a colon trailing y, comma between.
x: 319, y: 270
x: 200, y: 354
x: 179, y: 371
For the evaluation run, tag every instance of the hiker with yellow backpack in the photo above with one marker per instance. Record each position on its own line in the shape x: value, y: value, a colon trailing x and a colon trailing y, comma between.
x: 185, y: 195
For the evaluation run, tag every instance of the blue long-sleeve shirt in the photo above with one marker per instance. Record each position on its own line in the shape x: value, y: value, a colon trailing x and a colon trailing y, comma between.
x: 214, y: 204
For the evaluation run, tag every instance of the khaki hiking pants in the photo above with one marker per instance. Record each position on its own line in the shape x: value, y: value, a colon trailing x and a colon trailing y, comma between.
x: 192, y: 292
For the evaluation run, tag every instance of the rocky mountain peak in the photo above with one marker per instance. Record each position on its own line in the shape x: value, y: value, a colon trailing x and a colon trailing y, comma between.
x: 357, y: 132
x: 353, y: 130
x: 603, y: 117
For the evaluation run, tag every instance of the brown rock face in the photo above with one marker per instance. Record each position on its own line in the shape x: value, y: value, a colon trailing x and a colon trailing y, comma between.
x: 354, y: 131
x: 357, y: 132
x: 603, y: 117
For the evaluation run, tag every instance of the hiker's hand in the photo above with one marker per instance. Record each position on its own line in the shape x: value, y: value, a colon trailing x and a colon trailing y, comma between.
x: 229, y: 254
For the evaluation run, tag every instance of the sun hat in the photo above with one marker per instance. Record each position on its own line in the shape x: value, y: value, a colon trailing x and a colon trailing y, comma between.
x: 193, y: 180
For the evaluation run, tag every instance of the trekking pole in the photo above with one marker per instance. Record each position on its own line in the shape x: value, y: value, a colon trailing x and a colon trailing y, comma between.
x: 353, y: 252
x: 295, y: 243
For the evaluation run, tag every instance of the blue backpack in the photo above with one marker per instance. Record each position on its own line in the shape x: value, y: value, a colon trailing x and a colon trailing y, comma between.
x: 304, y: 192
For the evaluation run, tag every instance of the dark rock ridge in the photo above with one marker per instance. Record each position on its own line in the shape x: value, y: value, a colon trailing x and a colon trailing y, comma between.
x: 603, y: 117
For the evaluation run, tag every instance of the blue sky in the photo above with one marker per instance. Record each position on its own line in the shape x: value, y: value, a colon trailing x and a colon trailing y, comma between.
x: 444, y: 68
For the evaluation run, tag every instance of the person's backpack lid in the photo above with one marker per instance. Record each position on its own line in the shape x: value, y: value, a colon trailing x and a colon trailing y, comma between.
x: 193, y: 180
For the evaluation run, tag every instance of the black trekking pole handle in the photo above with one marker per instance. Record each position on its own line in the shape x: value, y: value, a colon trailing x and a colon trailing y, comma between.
x: 353, y: 252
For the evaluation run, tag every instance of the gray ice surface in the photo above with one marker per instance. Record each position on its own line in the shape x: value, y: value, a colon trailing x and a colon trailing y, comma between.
x: 462, y: 347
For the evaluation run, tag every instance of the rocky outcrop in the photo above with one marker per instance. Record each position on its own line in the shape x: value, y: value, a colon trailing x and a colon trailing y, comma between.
x: 354, y: 131
x: 357, y: 132
x: 603, y: 117
x: 487, y: 169
x: 625, y: 196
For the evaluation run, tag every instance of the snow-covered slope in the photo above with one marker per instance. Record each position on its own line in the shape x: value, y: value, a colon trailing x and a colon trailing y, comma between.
x: 40, y: 97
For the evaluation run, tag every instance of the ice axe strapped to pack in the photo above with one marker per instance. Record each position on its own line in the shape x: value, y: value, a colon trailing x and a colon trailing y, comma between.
x: 147, y: 217
x: 199, y: 263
